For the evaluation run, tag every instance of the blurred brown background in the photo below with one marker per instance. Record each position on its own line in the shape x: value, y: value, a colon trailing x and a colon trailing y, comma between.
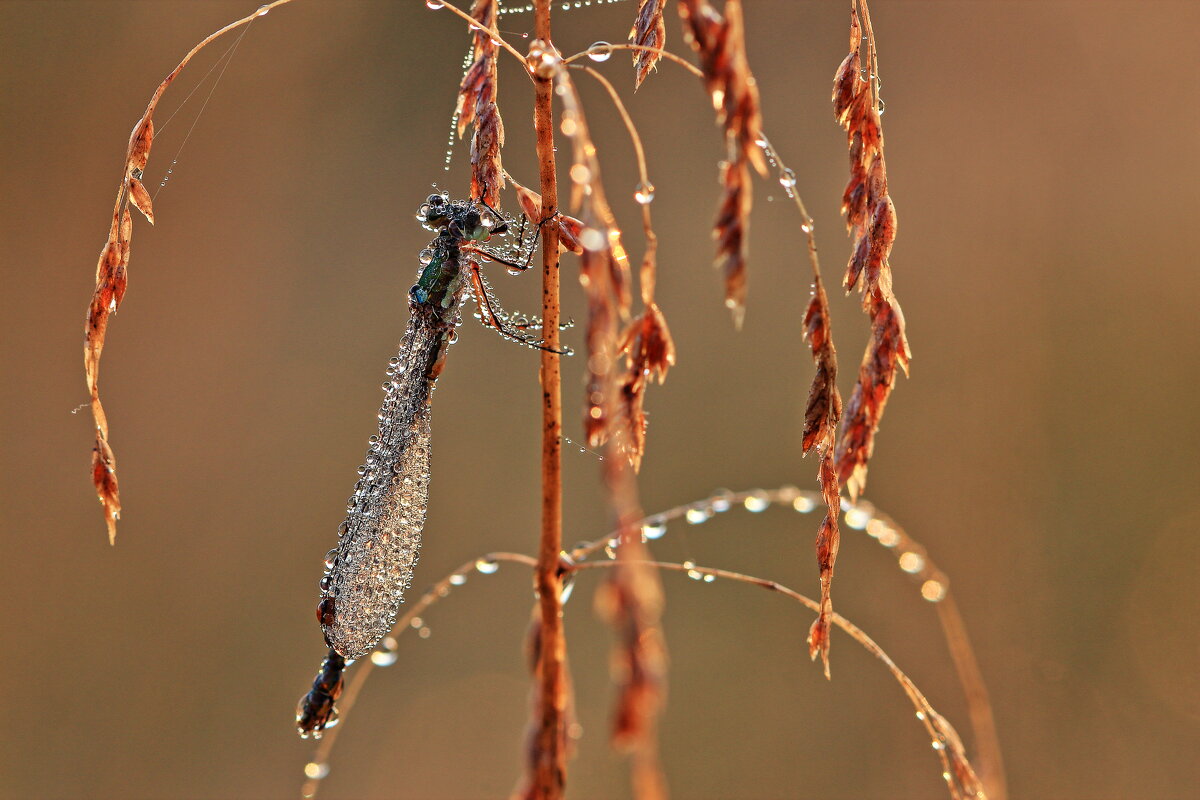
x: 1043, y: 160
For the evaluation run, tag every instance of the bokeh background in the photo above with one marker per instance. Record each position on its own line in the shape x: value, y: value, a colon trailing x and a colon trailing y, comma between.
x: 1042, y: 157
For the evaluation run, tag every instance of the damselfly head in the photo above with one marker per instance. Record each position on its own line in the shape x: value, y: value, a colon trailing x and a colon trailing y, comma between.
x: 435, y: 211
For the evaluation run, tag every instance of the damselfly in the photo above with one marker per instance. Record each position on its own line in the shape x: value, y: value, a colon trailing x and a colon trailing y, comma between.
x: 368, y: 572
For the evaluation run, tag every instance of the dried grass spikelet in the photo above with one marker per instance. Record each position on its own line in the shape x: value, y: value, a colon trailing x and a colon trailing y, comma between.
x: 538, y: 762
x: 648, y: 30
x: 646, y: 342
x: 569, y: 227
x: 477, y: 104
x: 112, y: 273
x: 719, y: 41
x: 871, y: 220
x: 649, y: 351
x: 821, y: 417
x: 111, y: 281
x: 631, y: 603
x: 112, y: 278
x: 604, y: 275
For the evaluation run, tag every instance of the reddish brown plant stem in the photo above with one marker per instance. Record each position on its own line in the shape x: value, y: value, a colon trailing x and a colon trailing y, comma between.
x: 548, y: 754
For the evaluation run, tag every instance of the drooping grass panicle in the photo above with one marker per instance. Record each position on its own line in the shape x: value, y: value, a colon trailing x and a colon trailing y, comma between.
x: 477, y: 106
x: 719, y: 41
x: 871, y: 219
x: 604, y: 273
x: 632, y: 600
x: 648, y: 30
x: 646, y: 341
x: 821, y: 414
x: 112, y: 273
x: 821, y: 417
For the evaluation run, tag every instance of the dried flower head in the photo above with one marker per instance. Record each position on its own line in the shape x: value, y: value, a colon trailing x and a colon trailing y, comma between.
x: 477, y: 104
x: 719, y: 41
x: 871, y: 220
x: 648, y: 30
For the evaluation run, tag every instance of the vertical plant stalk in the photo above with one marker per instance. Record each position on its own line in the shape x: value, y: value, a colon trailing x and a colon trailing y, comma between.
x: 548, y: 757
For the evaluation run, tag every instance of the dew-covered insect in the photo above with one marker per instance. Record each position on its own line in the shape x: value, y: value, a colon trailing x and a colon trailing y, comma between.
x: 371, y: 567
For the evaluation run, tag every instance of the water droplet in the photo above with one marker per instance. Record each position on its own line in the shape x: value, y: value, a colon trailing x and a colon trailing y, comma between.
x: 787, y: 178
x: 912, y: 562
x: 592, y: 239
x: 933, y: 591
x: 434, y: 5
x: 876, y: 528
x: 316, y: 770
x: 330, y: 557
x: 697, y: 514
x: 889, y: 538
x: 709, y: 577
x: 857, y: 518
x: 486, y: 566
x: 654, y: 528
x: 262, y: 12
x: 804, y: 504
x: 580, y: 173
x: 644, y: 192
x: 937, y: 745
x: 458, y: 579
x: 425, y: 632
x: 387, y: 653
x: 757, y: 502
x: 600, y: 51
x: 921, y: 715
x: 425, y: 256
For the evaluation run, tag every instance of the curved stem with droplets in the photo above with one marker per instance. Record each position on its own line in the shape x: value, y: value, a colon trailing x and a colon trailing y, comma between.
x: 861, y: 515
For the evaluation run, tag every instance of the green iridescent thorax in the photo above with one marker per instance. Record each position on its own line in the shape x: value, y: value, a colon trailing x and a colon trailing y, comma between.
x: 441, y: 279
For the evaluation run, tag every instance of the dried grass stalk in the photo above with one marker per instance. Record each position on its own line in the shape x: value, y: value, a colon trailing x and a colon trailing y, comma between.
x: 477, y: 105
x: 112, y: 274
x: 871, y: 220
x: 719, y: 41
x: 648, y: 30
x: 820, y: 431
x: 535, y: 755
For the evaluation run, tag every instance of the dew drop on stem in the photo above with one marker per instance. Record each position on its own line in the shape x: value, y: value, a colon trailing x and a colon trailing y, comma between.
x: 600, y: 51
